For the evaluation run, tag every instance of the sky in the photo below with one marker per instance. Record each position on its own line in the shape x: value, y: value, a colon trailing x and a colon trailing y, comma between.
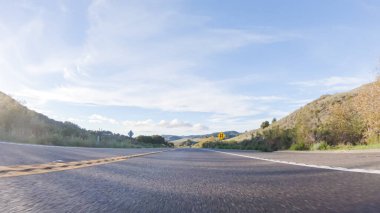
x: 183, y: 66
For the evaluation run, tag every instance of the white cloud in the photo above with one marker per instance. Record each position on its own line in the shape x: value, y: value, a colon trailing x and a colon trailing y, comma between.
x: 175, y: 123
x: 278, y: 114
x: 199, y: 127
x: 264, y: 98
x: 299, y: 103
x: 74, y: 120
x: 144, y: 123
x: 334, y: 83
x: 140, y: 54
x: 95, y: 118
x: 174, y: 126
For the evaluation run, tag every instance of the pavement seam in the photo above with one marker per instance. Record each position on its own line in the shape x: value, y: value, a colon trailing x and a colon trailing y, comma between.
x: 356, y: 170
x: 22, y: 170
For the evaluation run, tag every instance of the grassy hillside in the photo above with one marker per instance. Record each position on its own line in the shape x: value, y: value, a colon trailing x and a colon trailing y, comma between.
x: 350, y: 118
x: 19, y: 124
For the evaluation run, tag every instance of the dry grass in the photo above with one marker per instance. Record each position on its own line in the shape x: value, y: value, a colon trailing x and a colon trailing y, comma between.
x: 336, y: 110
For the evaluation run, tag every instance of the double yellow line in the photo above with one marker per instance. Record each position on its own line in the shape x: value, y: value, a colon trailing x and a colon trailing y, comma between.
x: 21, y: 170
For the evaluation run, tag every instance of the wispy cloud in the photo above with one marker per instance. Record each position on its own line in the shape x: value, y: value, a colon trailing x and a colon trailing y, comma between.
x: 99, y: 119
x: 134, y: 62
x: 143, y: 54
x: 334, y: 83
x: 175, y: 123
x: 264, y: 98
x: 164, y: 126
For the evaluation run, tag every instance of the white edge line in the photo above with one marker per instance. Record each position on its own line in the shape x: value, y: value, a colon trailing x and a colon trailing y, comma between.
x: 368, y: 171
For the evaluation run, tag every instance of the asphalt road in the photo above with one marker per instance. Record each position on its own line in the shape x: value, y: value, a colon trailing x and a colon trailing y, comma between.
x: 21, y: 154
x: 190, y: 180
x: 360, y: 159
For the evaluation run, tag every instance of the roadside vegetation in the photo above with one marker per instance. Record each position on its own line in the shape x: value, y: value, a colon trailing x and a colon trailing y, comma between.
x: 154, y: 140
x: 19, y: 124
x: 343, y: 121
x: 187, y: 143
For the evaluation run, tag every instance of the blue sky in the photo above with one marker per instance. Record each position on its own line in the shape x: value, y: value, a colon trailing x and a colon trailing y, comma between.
x: 183, y: 66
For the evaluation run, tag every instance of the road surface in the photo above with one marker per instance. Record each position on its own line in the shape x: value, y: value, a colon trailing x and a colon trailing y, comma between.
x: 183, y: 180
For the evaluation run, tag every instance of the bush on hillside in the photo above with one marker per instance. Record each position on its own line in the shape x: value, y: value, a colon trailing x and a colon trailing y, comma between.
x: 320, y: 146
x: 299, y: 146
x: 344, y: 126
x: 264, y: 125
x: 155, y: 139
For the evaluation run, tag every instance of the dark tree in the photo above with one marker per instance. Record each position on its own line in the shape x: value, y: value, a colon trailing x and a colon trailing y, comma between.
x: 264, y: 125
x: 155, y: 139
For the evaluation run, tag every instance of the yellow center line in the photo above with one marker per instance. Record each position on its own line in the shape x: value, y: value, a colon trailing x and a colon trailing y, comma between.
x: 21, y: 170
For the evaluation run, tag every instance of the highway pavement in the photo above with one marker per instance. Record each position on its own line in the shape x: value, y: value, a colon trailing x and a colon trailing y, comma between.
x: 361, y: 159
x: 181, y: 180
x: 20, y: 154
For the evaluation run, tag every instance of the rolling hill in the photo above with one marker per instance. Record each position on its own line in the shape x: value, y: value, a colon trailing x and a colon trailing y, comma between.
x: 345, y: 118
x: 19, y: 124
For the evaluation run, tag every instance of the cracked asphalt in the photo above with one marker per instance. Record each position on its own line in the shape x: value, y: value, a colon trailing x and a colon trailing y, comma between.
x: 184, y: 180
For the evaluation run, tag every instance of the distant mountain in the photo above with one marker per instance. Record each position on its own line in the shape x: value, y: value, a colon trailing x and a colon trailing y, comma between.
x: 172, y: 137
x: 179, y: 139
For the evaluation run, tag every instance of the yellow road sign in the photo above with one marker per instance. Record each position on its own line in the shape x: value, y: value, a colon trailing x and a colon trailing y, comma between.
x: 221, y: 136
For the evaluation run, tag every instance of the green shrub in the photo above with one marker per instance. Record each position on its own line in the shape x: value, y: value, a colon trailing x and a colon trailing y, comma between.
x: 155, y: 139
x: 373, y: 139
x: 299, y: 146
x: 264, y: 124
x: 320, y: 146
